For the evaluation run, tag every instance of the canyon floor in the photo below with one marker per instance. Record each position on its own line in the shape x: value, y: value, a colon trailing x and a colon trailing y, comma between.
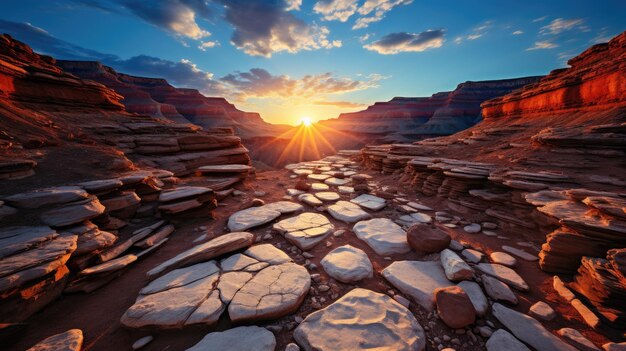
x: 98, y: 313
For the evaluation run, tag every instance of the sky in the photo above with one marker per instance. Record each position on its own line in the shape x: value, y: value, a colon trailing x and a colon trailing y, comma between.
x: 289, y: 59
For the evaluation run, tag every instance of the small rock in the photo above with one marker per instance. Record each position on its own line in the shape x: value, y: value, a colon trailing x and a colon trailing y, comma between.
x: 542, y: 311
x: 575, y: 338
x: 292, y: 347
x: 472, y: 228
x: 142, y: 342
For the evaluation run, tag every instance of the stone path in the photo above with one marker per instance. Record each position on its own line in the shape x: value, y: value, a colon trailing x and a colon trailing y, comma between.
x: 305, y: 230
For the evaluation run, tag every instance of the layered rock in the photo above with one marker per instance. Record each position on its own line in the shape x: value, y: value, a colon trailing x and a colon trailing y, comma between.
x: 444, y: 113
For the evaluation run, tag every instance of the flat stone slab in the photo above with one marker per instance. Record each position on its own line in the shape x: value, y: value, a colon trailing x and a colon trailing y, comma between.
x: 504, y: 274
x: 183, y: 193
x: 204, y: 252
x: 232, y: 168
x: 327, y: 196
x: 498, y: 290
x: 361, y: 320
x: 347, y: 212
x: 476, y: 295
x: 370, y: 202
x: 273, y: 292
x: 16, y: 239
x: 503, y: 258
x: 347, y: 264
x: 345, y: 189
x: 503, y: 340
x: 417, y: 279
x: 50, y: 250
x: 418, y: 206
x: 383, y: 236
x: 283, y: 206
x: 319, y: 187
x: 251, y: 217
x: 259, y: 284
x: 71, y: 340
x: 520, y: 253
x: 310, y: 200
x: 529, y: 330
x: 73, y: 212
x: 305, y: 230
x: 318, y: 176
x: 251, y: 338
x: 47, y: 197
x: 336, y: 181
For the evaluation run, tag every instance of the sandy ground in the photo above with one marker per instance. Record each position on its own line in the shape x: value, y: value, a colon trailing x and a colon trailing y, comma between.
x: 98, y: 313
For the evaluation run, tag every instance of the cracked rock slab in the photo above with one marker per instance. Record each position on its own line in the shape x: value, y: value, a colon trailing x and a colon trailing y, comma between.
x: 361, y: 320
x: 273, y: 292
x: 370, y: 202
x: 305, y: 230
x: 383, y: 235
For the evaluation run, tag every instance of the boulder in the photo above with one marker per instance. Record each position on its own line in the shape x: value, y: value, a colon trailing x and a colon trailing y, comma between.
x: 347, y: 264
x: 454, y: 307
x: 427, y: 239
x: 417, y: 279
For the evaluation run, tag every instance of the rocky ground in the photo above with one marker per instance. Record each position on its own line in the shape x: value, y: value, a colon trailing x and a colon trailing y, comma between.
x: 395, y: 269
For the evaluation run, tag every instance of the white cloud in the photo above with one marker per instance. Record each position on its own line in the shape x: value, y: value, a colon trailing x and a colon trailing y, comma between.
x: 375, y: 10
x: 293, y: 5
x: 542, y: 45
x: 518, y: 32
x: 560, y: 25
x: 336, y: 10
x: 207, y: 45
x: 539, y: 19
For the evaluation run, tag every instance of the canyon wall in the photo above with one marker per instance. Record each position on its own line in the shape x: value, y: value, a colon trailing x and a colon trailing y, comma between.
x: 592, y: 83
x: 407, y: 119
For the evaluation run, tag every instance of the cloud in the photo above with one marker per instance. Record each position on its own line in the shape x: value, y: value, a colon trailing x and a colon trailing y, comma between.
x: 539, y: 19
x: 336, y: 10
x: 542, y: 45
x: 263, y: 28
x: 407, y: 42
x: 375, y: 10
x: 293, y: 5
x: 560, y: 25
x: 259, y: 83
x: 207, y: 45
x: 176, y: 16
x: 476, y: 33
x: 518, y: 32
x: 363, y: 38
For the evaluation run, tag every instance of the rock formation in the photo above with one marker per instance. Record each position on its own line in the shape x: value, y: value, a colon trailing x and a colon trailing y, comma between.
x: 404, y: 119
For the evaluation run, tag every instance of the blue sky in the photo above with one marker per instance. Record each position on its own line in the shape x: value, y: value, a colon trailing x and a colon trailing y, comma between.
x: 293, y: 58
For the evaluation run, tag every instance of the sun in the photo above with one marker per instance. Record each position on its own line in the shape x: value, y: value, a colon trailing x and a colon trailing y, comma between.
x: 306, y: 121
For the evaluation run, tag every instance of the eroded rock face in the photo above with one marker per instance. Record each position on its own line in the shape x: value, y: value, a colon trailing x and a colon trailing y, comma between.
x: 375, y: 321
x: 260, y: 283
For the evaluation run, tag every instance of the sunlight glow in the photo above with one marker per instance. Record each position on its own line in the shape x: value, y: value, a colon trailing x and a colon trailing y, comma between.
x: 306, y: 121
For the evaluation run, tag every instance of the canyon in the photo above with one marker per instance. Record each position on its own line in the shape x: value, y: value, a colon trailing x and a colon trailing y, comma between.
x: 136, y: 213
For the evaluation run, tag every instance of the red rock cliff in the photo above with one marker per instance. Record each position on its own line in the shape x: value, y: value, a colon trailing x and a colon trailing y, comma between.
x: 596, y: 80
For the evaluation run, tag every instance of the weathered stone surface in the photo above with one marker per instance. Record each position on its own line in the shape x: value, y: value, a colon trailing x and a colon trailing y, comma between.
x: 454, y: 307
x: 16, y: 239
x: 575, y: 338
x: 498, y: 290
x: 476, y: 295
x: 347, y: 212
x: 542, y: 311
x: 47, y: 252
x: 520, y: 253
x: 73, y: 212
x: 473, y: 256
x: 273, y: 292
x: 383, y: 236
x: 267, y: 253
x: 370, y: 202
x: 305, y: 230
x: 109, y: 266
x: 47, y: 197
x: 455, y: 268
x: 327, y: 196
x: 347, y: 264
x: 319, y: 187
x: 181, y: 277
x: 250, y: 338
x: 71, y: 340
x: 418, y: 280
x: 251, y: 217
x: 204, y: 252
x: 141, y: 342
x: 183, y: 193
x: 503, y: 259
x: 361, y: 319
x: 310, y: 200
x: 232, y: 168
x: 504, y: 274
x: 503, y: 340
x: 529, y: 330
x: 427, y: 239
x: 472, y: 228
x: 336, y: 181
